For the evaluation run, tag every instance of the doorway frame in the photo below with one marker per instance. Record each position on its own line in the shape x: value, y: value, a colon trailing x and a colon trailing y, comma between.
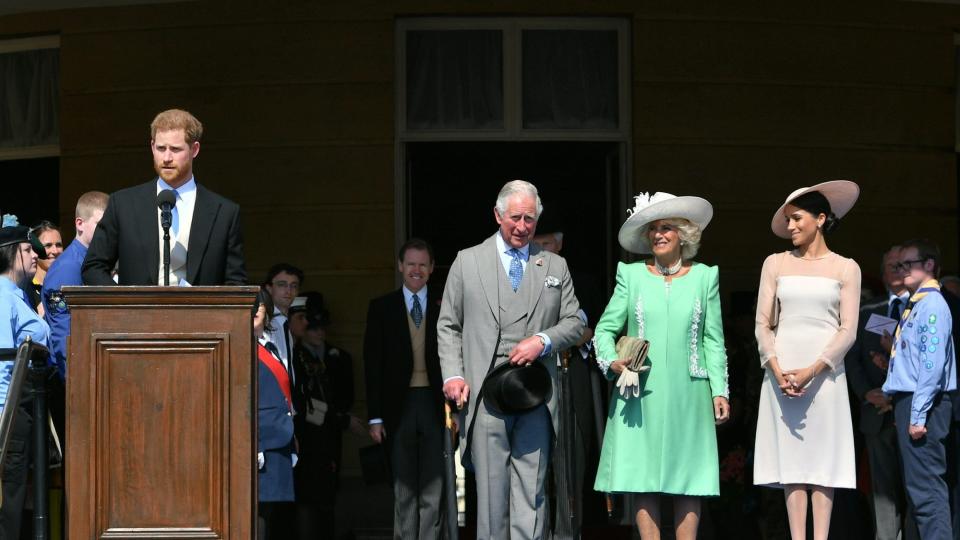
x: 512, y: 28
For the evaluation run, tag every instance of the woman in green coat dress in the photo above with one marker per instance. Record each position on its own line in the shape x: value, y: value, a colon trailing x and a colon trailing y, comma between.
x: 660, y: 436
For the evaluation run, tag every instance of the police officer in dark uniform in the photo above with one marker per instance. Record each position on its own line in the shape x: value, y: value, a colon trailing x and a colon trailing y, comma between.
x: 323, y: 397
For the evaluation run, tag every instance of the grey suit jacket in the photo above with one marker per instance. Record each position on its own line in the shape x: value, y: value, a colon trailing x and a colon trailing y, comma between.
x: 468, y: 325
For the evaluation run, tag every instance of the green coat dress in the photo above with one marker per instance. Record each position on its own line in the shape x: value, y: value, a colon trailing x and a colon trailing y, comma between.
x: 665, y: 440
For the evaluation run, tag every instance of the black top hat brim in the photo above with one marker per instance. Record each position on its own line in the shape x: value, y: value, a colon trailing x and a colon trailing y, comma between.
x: 511, y: 389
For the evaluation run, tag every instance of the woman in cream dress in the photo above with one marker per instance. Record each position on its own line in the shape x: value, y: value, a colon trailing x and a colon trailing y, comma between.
x: 807, y: 312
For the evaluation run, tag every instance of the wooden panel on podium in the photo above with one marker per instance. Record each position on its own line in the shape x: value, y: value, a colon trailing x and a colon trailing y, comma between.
x: 160, y: 413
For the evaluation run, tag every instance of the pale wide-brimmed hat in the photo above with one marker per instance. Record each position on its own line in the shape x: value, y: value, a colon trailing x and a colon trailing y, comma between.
x: 660, y: 205
x: 841, y: 194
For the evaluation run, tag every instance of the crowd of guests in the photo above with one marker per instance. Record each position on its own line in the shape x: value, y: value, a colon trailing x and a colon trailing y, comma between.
x: 698, y: 411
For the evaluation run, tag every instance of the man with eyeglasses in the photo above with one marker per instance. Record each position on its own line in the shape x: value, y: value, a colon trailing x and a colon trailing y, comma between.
x: 283, y: 282
x: 866, y: 365
x: 921, y: 379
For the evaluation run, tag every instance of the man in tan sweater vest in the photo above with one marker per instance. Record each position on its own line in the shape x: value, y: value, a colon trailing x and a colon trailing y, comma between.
x: 404, y: 392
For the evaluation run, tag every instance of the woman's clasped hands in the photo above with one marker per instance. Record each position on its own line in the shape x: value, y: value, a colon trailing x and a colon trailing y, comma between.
x: 793, y: 382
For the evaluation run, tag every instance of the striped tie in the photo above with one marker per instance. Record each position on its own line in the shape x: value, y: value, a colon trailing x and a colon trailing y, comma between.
x: 417, y: 312
x: 927, y: 288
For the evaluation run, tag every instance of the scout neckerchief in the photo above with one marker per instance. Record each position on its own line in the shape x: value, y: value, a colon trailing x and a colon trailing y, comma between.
x: 927, y: 288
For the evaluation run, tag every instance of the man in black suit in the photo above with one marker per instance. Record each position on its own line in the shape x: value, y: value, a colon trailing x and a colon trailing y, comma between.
x: 206, y: 247
x: 866, y: 365
x: 405, y: 392
x: 585, y: 383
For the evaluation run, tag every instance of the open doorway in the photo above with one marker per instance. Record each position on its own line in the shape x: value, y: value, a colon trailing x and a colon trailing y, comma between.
x: 452, y: 188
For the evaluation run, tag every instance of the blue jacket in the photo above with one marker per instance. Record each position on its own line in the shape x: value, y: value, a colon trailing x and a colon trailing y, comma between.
x: 65, y: 270
x: 274, y: 439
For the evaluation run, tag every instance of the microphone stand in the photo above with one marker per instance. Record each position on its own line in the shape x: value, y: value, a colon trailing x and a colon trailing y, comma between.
x: 166, y: 216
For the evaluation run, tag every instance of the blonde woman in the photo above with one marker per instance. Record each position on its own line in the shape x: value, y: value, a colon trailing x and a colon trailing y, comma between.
x: 660, y: 437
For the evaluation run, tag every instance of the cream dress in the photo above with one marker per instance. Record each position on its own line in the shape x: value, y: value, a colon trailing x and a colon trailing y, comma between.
x: 806, y: 310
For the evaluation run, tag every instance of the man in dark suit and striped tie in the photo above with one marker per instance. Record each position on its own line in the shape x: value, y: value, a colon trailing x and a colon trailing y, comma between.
x: 866, y: 365
x: 404, y: 392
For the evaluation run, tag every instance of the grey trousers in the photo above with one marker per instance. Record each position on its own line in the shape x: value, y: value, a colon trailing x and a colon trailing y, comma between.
x: 510, y: 455
x: 416, y: 454
x: 888, y: 494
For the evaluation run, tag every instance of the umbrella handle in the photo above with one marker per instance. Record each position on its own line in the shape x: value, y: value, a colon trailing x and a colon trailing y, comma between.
x: 448, y: 421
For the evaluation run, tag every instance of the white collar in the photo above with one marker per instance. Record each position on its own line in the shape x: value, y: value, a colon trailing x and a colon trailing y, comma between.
x: 502, y: 247
x: 188, y: 188
x: 408, y: 294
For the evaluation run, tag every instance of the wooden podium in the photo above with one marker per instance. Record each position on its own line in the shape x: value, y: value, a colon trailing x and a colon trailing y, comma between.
x: 161, y: 413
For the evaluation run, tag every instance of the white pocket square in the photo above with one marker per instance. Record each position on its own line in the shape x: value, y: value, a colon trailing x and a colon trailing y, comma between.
x: 551, y: 282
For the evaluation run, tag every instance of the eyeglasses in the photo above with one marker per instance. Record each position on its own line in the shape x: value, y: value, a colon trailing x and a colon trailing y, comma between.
x: 903, y: 266
x: 293, y: 286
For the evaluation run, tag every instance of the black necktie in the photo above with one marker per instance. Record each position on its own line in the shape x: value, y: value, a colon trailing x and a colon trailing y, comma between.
x: 286, y: 340
x: 896, y: 308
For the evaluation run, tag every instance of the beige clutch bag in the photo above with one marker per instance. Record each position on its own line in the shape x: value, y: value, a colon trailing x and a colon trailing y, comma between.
x: 634, y: 350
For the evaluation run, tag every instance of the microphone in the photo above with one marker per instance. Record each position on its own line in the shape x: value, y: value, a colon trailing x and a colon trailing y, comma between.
x: 166, y: 200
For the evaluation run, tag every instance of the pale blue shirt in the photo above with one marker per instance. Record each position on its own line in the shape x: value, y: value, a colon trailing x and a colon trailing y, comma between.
x: 182, y: 221
x: 186, y: 199
x: 408, y: 298
x: 924, y: 362
x: 19, y: 321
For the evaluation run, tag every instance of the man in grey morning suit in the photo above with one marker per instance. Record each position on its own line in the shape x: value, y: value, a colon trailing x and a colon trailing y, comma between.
x: 506, y: 285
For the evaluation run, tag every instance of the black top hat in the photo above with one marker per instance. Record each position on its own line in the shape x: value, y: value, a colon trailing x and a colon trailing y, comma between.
x: 511, y: 389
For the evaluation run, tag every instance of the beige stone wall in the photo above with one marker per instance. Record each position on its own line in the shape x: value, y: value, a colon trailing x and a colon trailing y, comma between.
x: 738, y: 102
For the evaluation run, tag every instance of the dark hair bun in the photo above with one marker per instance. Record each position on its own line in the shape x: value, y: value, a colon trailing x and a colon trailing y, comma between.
x: 831, y: 224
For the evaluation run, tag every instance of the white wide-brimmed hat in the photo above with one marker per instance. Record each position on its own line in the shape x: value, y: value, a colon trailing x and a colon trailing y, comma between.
x: 660, y: 205
x: 841, y: 194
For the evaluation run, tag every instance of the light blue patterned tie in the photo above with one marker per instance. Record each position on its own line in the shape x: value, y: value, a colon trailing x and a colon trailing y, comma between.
x: 516, y: 269
x: 175, y: 217
x: 417, y: 312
